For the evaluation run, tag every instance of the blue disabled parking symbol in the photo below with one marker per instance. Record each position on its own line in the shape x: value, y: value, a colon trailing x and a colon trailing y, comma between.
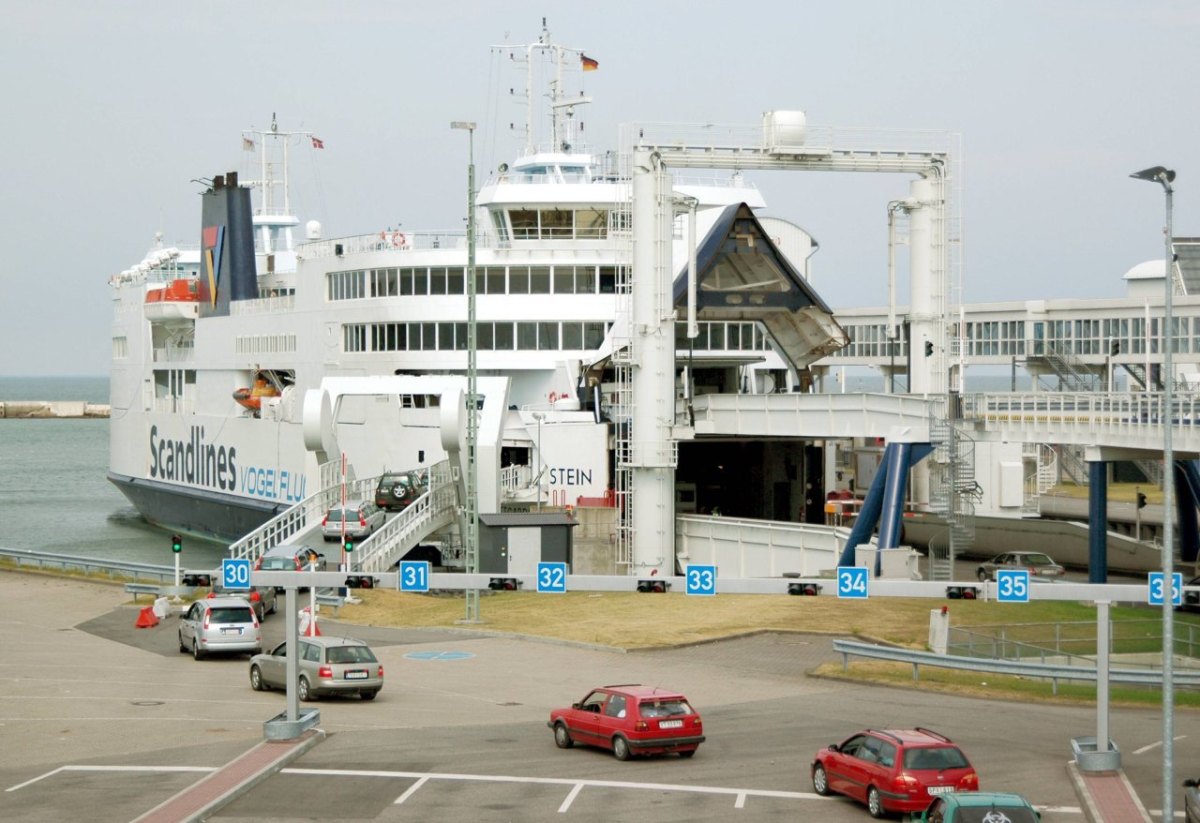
x: 439, y: 655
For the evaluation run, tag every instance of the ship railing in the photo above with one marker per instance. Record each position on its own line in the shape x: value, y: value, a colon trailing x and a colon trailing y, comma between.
x: 262, y: 305
x: 391, y: 240
x: 516, y: 477
x: 436, y: 509
x: 175, y: 354
x: 300, y: 517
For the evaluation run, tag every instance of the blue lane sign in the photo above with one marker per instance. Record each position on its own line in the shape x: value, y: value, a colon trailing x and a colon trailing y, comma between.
x: 1158, y: 584
x: 414, y: 575
x: 701, y: 580
x: 235, y: 574
x: 552, y: 578
x: 1012, y: 585
x: 852, y: 581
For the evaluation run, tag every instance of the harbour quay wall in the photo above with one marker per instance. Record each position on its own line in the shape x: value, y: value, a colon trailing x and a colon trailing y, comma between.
x: 51, y: 409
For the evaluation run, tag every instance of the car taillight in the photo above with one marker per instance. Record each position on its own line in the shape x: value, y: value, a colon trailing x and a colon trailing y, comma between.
x: 255, y: 597
x: 206, y: 616
x: 324, y: 520
x: 381, y: 672
x: 969, y: 783
x: 641, y: 726
x: 697, y: 722
x: 325, y: 672
x: 362, y: 521
x: 299, y: 565
x: 254, y: 618
x: 258, y: 564
x: 905, y: 783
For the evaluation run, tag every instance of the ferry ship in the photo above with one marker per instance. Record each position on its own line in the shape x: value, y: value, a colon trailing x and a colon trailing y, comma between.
x: 256, y: 370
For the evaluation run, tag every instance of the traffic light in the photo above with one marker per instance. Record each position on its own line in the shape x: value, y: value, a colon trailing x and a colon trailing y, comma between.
x: 809, y: 589
x: 929, y: 348
x: 176, y: 543
x: 348, y: 544
x: 962, y: 592
x: 360, y: 581
x: 1141, y: 500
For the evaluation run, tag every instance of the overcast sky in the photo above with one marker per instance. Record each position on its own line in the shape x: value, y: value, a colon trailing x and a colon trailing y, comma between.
x: 111, y: 108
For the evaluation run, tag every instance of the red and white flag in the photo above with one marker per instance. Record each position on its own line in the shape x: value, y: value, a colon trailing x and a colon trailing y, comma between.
x: 318, y: 143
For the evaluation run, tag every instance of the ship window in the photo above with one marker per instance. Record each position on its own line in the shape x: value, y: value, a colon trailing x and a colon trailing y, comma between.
x: 485, y: 338
x: 539, y: 279
x: 489, y: 280
x: 383, y: 283
x: 527, y: 336
x: 413, y: 336
x: 504, y: 337
x: 445, y: 334
x: 608, y: 279
x: 524, y: 224
x: 460, y: 337
x: 564, y: 279
x: 455, y: 281
x: 557, y: 224
x: 593, y: 335
x: 501, y: 226
x: 547, y: 336
x: 585, y: 279
x: 591, y: 224
x: 428, y: 336
x: 354, y: 337
x: 437, y: 280
x: 518, y: 280
x: 620, y: 221
x: 572, y: 336
x: 420, y: 281
x: 406, y: 281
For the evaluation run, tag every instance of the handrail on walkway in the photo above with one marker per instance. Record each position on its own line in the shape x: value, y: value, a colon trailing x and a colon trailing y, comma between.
x: 1045, y: 671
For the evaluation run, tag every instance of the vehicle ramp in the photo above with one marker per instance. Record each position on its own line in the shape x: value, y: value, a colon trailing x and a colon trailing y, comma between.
x: 433, y: 511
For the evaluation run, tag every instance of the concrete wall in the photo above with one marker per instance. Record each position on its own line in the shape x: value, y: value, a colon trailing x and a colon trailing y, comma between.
x: 52, y: 409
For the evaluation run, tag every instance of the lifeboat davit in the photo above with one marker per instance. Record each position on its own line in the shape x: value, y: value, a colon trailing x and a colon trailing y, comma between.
x: 251, y: 398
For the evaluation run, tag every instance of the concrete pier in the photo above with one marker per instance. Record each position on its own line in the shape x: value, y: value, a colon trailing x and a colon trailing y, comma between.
x: 52, y: 409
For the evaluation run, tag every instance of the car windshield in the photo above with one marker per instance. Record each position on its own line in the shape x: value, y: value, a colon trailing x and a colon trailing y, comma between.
x: 941, y: 757
x: 349, y: 654
x: 988, y: 814
x: 337, y: 515
x: 664, y: 708
x: 279, y: 563
x: 230, y: 614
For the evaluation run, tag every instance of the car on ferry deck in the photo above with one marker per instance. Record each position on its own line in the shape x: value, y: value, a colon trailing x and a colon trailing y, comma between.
x: 357, y: 519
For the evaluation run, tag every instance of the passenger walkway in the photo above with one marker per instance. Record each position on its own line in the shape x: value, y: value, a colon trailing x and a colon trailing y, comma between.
x: 1107, y: 797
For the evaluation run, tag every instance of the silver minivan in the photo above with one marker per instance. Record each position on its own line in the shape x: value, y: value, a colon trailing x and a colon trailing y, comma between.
x: 217, y: 625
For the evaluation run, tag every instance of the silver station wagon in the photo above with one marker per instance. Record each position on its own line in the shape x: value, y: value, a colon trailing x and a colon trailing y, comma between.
x: 219, y: 625
x: 327, y: 665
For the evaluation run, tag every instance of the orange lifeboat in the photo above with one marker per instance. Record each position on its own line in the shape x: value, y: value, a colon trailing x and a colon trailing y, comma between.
x: 251, y: 398
x: 184, y: 290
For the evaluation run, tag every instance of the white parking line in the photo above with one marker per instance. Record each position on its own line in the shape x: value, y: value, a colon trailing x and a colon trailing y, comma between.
x: 111, y: 769
x: 557, y: 781
x: 1156, y: 745
x: 566, y: 804
x: 411, y: 791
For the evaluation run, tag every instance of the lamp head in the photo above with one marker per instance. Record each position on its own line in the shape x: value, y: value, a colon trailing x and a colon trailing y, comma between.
x: 1157, y: 174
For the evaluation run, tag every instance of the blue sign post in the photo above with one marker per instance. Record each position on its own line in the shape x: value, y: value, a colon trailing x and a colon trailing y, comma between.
x: 701, y: 580
x: 1157, y: 587
x: 552, y: 578
x: 414, y: 576
x: 852, y: 582
x: 235, y: 574
x: 1012, y: 585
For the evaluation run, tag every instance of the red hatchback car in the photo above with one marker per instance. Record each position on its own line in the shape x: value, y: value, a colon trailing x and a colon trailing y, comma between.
x: 630, y: 719
x: 893, y: 771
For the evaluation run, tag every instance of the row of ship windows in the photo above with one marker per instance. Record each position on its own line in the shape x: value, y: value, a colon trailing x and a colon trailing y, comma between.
x: 439, y: 280
x: 533, y: 336
x: 560, y: 224
x: 1008, y: 338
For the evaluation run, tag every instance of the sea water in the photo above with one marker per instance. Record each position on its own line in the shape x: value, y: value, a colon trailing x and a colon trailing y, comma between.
x: 54, y: 493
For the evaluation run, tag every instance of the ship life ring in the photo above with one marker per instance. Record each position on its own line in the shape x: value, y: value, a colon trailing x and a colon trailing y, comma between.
x: 398, y: 239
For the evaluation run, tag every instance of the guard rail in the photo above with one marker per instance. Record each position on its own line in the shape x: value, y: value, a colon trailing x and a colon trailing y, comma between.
x: 111, y: 568
x: 1046, y: 671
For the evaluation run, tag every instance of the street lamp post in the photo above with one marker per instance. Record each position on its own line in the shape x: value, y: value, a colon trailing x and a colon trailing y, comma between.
x: 472, y: 514
x: 539, y: 416
x: 1165, y: 177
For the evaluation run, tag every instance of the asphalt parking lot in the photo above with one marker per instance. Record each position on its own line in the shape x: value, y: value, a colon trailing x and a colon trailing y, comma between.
x: 102, y: 721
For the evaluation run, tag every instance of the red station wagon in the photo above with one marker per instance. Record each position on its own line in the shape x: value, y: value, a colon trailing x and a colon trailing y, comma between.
x: 893, y: 771
x: 630, y: 719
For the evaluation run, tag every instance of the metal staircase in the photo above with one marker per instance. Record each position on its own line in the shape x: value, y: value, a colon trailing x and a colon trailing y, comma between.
x: 1072, y: 373
x: 436, y: 509
x: 952, y: 492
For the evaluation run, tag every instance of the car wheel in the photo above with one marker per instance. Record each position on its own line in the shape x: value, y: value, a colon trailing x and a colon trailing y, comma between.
x: 620, y: 748
x: 274, y: 605
x: 196, y: 653
x: 982, y: 575
x: 256, y: 682
x: 688, y: 753
x: 182, y: 646
x: 369, y: 695
x: 820, y: 780
x: 562, y: 737
x: 875, y: 803
x: 303, y: 690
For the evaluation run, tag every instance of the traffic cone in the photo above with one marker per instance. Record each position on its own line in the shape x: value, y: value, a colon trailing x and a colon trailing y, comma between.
x: 147, y: 619
x: 308, y: 623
